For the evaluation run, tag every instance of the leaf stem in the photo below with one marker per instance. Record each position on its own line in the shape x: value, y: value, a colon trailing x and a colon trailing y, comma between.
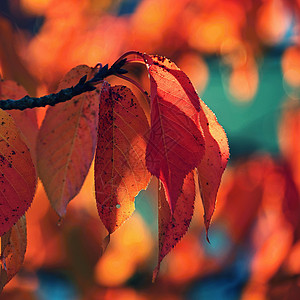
x: 145, y: 94
x: 138, y: 54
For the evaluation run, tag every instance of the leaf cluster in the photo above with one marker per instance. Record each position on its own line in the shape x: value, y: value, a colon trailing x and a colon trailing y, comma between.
x: 180, y: 144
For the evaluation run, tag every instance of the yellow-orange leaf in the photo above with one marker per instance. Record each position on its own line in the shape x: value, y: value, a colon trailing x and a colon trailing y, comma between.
x: 17, y: 174
x: 120, y: 170
x: 214, y: 161
x: 67, y: 141
x: 13, y: 247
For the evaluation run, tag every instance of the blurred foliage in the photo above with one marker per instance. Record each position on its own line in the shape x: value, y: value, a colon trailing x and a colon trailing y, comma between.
x: 244, y: 58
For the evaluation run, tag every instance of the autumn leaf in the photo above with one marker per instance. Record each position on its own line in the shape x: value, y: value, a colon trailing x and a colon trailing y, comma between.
x: 120, y: 170
x: 176, y: 144
x: 17, y: 175
x: 26, y: 120
x: 13, y: 248
x: 214, y: 161
x: 172, y: 227
x: 67, y: 141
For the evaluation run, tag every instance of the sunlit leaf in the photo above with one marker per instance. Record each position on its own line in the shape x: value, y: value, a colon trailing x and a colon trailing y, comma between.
x: 67, y: 141
x: 213, y: 163
x: 172, y: 227
x: 17, y: 174
x: 176, y: 143
x: 120, y: 171
x: 13, y: 247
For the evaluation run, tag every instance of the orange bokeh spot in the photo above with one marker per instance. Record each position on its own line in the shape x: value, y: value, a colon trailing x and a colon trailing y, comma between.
x: 185, y: 261
x: 114, y: 268
x: 273, y: 250
x: 130, y: 246
x: 215, y: 26
x: 293, y: 261
x: 243, y: 81
x: 152, y: 20
x: 210, y: 35
x: 291, y: 66
x: 273, y: 21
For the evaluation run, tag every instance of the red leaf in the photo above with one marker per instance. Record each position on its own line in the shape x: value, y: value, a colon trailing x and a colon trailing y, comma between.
x: 13, y: 248
x: 67, y: 141
x: 26, y: 120
x: 214, y: 161
x: 176, y: 143
x: 17, y: 175
x: 120, y: 171
x: 172, y: 227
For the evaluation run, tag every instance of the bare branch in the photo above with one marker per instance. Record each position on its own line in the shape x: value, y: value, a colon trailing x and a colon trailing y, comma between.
x: 66, y: 94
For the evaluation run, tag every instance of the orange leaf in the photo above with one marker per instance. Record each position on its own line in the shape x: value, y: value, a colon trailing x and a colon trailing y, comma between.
x: 26, y: 120
x: 176, y: 143
x: 13, y: 248
x: 213, y: 163
x: 120, y: 171
x: 67, y: 141
x: 172, y: 227
x: 17, y: 175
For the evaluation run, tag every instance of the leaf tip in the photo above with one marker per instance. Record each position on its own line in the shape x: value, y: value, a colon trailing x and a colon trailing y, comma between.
x: 60, y: 221
x: 104, y: 244
x: 207, y: 224
x: 59, y: 208
x: 155, y: 273
x: 207, y: 238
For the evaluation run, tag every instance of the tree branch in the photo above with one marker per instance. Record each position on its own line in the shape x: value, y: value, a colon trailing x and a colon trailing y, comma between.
x: 66, y: 94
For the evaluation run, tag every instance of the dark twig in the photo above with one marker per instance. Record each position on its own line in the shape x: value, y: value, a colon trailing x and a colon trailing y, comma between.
x: 66, y: 94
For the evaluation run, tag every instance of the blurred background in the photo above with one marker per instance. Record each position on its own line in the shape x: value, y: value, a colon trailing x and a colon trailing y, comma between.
x: 243, y: 57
